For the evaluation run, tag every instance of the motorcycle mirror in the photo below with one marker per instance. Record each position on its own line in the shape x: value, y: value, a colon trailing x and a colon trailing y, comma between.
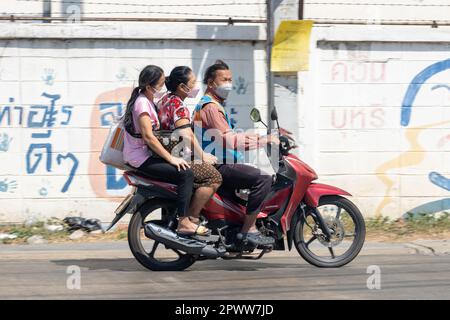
x: 255, y: 115
x: 273, y: 114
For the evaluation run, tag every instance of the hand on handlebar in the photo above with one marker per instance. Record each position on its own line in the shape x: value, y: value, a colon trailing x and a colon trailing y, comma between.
x: 284, y: 132
x: 270, y: 139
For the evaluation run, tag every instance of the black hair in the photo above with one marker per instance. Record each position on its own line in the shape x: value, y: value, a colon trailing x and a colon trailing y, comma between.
x: 210, y: 73
x: 149, y: 76
x: 177, y: 76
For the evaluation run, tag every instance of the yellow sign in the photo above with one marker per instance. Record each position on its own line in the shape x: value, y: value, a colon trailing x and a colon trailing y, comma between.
x: 290, y: 50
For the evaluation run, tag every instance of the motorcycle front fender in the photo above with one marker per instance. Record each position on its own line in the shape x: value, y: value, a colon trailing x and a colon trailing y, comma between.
x: 317, y: 190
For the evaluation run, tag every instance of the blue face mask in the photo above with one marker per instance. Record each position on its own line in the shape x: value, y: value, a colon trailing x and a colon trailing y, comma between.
x: 223, y: 90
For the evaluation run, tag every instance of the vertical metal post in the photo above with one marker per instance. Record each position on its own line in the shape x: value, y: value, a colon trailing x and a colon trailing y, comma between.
x: 300, y: 9
x: 47, y: 10
x: 269, y: 42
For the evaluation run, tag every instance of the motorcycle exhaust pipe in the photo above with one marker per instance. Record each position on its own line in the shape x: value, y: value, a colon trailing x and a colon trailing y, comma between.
x: 172, y: 240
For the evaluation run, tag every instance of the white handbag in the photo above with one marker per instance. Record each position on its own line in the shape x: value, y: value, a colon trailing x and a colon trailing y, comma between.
x: 112, y: 152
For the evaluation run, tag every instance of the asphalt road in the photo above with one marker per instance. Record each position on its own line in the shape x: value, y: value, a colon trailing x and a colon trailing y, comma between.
x: 108, y: 271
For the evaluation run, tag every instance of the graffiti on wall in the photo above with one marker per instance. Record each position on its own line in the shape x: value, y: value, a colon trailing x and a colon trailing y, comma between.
x: 42, y: 118
x: 7, y: 185
x: 358, y: 118
x: 106, y: 181
x: 358, y: 71
x: 5, y: 141
x: 416, y: 152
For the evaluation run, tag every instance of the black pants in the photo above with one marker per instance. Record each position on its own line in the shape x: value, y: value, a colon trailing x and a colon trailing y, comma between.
x: 241, y: 176
x: 160, y: 169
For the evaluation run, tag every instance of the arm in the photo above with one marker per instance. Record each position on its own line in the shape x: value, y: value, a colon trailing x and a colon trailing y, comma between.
x: 188, y: 134
x: 216, y: 119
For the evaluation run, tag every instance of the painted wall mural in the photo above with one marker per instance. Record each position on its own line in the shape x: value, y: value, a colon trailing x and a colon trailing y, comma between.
x: 416, y: 153
x: 385, y: 113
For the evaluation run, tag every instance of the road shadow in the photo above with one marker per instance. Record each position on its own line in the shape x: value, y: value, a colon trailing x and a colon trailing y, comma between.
x: 131, y: 265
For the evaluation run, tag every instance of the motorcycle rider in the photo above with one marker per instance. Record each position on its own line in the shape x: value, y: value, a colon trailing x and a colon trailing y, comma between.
x: 143, y: 151
x: 174, y: 114
x: 211, y: 119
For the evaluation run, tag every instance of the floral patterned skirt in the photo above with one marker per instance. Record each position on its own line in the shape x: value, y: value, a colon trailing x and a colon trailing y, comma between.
x: 205, y: 174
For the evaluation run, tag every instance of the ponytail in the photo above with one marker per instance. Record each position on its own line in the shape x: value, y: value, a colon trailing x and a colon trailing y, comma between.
x: 128, y: 120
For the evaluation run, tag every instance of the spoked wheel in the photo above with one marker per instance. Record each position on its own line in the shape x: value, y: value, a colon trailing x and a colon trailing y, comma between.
x: 150, y: 253
x: 347, y: 226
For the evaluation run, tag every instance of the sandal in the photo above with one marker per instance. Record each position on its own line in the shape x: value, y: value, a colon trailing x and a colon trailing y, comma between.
x: 198, y: 221
x: 199, y: 231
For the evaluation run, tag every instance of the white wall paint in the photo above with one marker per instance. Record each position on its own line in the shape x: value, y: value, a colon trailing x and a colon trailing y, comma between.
x: 86, y: 69
x: 352, y: 99
x: 86, y: 74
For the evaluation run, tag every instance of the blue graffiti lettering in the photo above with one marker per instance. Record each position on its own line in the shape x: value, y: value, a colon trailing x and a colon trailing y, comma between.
x: 6, y: 111
x: 112, y: 183
x: 70, y: 156
x: 67, y: 110
x: 107, y: 117
x: 110, y: 110
x: 49, y: 116
x: 20, y: 114
x: 46, y: 150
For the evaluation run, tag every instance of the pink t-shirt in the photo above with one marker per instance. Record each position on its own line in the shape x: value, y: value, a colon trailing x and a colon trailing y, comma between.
x: 135, y: 150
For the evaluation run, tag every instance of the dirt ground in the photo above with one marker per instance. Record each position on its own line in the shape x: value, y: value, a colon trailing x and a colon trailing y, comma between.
x: 120, y: 234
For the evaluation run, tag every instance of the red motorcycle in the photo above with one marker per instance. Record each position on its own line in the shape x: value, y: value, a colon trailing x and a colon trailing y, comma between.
x: 326, y: 228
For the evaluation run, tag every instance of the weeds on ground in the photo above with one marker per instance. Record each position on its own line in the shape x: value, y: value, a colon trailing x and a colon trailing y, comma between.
x: 23, y: 232
x: 421, y: 224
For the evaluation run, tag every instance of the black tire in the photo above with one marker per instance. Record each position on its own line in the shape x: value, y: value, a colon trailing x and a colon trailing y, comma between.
x: 134, y: 240
x: 351, y: 253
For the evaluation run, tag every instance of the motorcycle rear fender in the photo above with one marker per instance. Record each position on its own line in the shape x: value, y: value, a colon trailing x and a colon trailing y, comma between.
x: 138, y: 197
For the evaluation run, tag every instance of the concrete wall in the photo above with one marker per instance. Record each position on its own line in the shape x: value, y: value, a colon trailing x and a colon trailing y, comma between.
x: 375, y: 116
x: 58, y: 94
x: 371, y: 115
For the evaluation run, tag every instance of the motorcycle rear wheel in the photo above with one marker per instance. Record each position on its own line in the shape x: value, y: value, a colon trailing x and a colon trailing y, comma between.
x: 140, y: 245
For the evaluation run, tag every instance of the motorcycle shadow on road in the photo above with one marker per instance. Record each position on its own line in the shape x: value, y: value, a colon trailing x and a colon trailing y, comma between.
x: 131, y: 265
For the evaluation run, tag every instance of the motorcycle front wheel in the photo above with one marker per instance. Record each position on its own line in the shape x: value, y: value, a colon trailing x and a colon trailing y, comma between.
x: 347, y: 226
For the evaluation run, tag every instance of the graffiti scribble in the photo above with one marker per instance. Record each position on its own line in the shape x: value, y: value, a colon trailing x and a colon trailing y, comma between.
x: 49, y: 76
x: 241, y: 86
x: 8, y: 186
x: 5, y: 141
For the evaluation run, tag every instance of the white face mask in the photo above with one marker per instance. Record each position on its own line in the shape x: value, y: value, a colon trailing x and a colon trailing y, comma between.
x: 191, y: 93
x: 223, y: 90
x: 158, y: 94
